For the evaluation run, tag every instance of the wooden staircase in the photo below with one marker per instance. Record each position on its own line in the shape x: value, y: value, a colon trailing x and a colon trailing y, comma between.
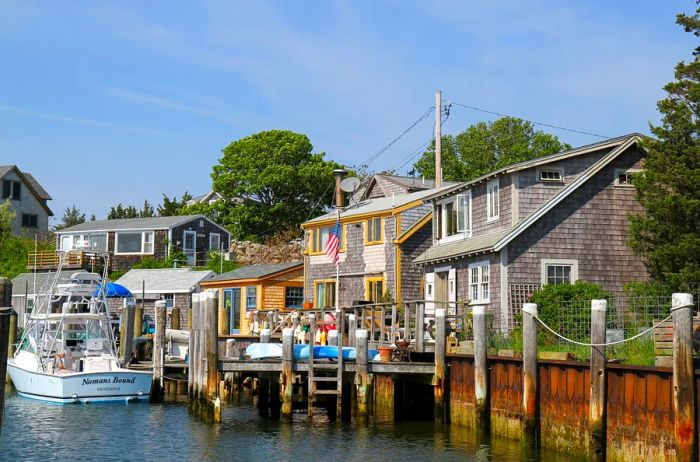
x: 325, y: 376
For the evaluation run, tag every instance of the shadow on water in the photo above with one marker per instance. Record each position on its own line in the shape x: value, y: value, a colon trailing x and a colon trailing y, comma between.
x: 36, y: 431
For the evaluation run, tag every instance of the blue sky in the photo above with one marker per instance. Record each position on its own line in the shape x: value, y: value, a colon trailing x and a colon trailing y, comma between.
x: 108, y: 102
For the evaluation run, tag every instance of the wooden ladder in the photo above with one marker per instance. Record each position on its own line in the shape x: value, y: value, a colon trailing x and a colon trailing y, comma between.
x: 326, y: 368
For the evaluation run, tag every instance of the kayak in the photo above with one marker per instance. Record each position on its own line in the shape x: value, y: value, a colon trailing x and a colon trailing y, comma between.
x: 274, y: 350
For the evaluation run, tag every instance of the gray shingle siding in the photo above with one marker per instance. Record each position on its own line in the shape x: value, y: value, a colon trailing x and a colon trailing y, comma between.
x: 28, y: 204
x: 411, y: 216
x: 411, y: 274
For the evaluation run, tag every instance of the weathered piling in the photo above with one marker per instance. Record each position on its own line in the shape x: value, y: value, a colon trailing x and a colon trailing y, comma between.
x: 192, y: 353
x: 157, y: 388
x: 597, y: 408
x: 11, y: 340
x: 440, y: 363
x: 481, y: 372
x: 128, y: 327
x: 287, y: 375
x: 138, y: 312
x: 212, y: 357
x: 530, y: 415
x: 5, y: 313
x: 362, y: 380
x: 175, y: 318
x: 265, y: 335
x: 683, y: 377
x: 352, y: 329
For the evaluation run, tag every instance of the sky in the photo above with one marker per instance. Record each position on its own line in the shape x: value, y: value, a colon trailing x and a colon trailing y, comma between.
x: 117, y: 102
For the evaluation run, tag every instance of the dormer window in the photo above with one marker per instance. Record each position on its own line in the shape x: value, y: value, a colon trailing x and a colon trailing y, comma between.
x: 492, y: 200
x: 454, y: 217
x: 551, y: 176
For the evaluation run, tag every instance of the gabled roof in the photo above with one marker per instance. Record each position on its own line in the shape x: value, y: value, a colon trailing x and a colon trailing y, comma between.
x: 204, y: 198
x: 134, y: 223
x: 163, y: 281
x: 32, y: 185
x: 378, y: 205
x: 582, y: 150
x: 25, y: 281
x: 256, y: 271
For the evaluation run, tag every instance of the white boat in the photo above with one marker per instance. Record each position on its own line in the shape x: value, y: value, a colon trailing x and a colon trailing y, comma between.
x: 67, y: 352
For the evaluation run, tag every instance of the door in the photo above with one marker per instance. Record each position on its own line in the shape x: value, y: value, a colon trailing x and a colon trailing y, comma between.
x: 189, y: 246
x: 232, y: 302
x: 441, y: 289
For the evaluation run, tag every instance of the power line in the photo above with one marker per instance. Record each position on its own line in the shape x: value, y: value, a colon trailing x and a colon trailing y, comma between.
x: 556, y: 127
x: 372, y: 158
x: 418, y: 150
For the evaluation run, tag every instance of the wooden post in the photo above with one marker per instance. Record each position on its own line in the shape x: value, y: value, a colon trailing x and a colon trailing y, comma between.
x: 265, y: 335
x: 596, y: 418
x: 311, y: 386
x: 438, y: 138
x: 481, y: 372
x: 287, y: 375
x: 5, y: 313
x: 212, y: 355
x: 138, y: 318
x: 683, y: 377
x: 530, y: 414
x: 440, y: 367
x: 175, y: 318
x: 362, y: 380
x: 191, y: 352
x: 224, y: 318
x: 394, y: 322
x: 295, y: 322
x: 11, y: 340
x: 159, y: 352
x: 333, y: 338
x: 270, y: 320
x: 352, y: 329
x: 420, y: 327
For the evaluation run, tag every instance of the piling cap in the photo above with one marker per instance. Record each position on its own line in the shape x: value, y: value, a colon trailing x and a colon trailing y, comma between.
x: 679, y: 300
x: 440, y: 312
x: 287, y: 332
x: 161, y: 303
x: 599, y: 305
x: 361, y: 333
x: 530, y: 308
x: 478, y: 309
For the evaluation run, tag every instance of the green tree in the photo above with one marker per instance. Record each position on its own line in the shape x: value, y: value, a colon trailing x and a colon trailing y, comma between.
x: 71, y: 217
x: 147, y: 211
x: 172, y: 207
x: 7, y: 214
x: 487, y: 146
x: 270, y: 182
x: 668, y: 233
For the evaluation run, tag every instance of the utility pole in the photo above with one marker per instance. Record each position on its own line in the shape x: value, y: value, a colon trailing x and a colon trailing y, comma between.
x: 438, y: 138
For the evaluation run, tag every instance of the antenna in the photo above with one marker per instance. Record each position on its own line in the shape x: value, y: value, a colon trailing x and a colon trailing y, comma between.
x: 350, y: 184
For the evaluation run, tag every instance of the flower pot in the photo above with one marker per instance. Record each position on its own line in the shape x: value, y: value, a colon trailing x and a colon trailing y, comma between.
x: 385, y: 354
x: 308, y: 305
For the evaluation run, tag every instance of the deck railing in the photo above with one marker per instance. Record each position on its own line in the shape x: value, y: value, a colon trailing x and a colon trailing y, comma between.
x: 49, y: 259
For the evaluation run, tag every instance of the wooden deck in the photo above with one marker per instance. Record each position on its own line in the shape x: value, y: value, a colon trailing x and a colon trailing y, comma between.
x: 252, y: 366
x: 48, y: 260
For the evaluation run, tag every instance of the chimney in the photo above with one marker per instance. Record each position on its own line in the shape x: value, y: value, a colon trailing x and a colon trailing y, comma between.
x: 339, y: 194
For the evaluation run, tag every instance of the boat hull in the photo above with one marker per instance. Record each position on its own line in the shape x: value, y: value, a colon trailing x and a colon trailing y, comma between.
x: 121, y: 385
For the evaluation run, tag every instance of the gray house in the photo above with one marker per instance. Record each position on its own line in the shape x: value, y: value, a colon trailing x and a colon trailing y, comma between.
x: 26, y: 286
x: 28, y: 199
x: 131, y: 239
x: 552, y: 220
x: 383, y: 230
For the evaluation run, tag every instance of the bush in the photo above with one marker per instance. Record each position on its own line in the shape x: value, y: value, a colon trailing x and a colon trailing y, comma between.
x: 566, y: 309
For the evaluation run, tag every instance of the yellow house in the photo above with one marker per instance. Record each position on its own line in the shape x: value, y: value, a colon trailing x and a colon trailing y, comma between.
x: 256, y: 287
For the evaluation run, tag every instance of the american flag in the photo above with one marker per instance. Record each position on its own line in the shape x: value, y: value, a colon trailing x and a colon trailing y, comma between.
x: 332, y: 246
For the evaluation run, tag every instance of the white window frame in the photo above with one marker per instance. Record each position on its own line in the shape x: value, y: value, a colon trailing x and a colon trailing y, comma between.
x: 546, y: 262
x: 218, y: 247
x: 619, y: 171
x: 169, y: 301
x: 482, y: 271
x: 460, y: 234
x: 493, y: 187
x: 466, y: 231
x: 143, y: 240
x: 560, y: 171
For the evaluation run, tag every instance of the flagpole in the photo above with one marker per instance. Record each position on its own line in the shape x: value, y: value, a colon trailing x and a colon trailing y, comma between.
x: 337, y: 267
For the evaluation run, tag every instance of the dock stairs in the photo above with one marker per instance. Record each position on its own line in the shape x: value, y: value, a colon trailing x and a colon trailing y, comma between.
x: 326, y: 375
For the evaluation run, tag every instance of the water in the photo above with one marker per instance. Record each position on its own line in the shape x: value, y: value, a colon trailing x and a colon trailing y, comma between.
x: 36, y: 431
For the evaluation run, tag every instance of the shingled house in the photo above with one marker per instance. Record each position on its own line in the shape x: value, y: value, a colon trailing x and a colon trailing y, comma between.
x: 28, y: 199
x: 131, y: 239
x: 383, y: 229
x: 552, y: 220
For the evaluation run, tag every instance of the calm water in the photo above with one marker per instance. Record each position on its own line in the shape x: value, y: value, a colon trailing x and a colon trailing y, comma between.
x: 37, y: 431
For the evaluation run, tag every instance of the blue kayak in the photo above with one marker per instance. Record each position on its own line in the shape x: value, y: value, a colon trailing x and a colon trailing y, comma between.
x: 274, y: 350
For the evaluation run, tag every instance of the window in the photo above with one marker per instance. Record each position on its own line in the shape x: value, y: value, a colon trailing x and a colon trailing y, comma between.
x: 324, y: 294
x: 134, y: 242
x: 559, y: 271
x: 293, y: 297
x: 623, y: 178
x: 454, y: 216
x: 251, y: 299
x: 464, y: 213
x: 373, y: 234
x: 214, y: 241
x: 319, y: 236
x: 492, y: 204
x: 169, y: 301
x: 551, y: 176
x: 11, y: 190
x: 374, y: 289
x: 80, y: 241
x: 29, y: 221
x: 30, y: 304
x: 97, y: 241
x: 479, y: 282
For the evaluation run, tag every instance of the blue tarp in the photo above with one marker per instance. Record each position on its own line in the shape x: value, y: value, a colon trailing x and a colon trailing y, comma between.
x: 115, y: 290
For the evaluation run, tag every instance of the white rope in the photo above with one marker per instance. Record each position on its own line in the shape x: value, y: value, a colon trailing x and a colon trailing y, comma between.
x: 617, y: 342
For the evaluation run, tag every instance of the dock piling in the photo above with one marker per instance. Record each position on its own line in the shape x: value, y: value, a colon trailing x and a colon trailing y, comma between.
x: 683, y: 377
x: 530, y: 414
x: 265, y: 335
x: 287, y: 375
x: 439, y: 379
x: 159, y: 352
x: 5, y: 313
x: 597, y: 417
x: 175, y: 318
x: 481, y: 372
x: 362, y: 379
x: 212, y: 357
